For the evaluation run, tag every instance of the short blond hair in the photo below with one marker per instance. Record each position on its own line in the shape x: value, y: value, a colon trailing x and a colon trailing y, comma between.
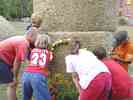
x: 41, y: 41
x: 36, y: 19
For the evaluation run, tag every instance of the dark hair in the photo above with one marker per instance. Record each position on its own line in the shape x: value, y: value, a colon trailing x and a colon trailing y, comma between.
x: 75, y: 46
x: 120, y: 37
x: 28, y: 27
x: 100, y: 52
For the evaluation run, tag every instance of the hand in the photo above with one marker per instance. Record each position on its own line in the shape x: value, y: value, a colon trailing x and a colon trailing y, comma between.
x: 130, y: 57
x: 114, y: 56
x: 79, y: 89
x: 78, y: 97
x: 13, y: 83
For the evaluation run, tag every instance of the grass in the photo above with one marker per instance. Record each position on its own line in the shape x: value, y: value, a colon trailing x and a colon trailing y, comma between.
x: 3, y: 92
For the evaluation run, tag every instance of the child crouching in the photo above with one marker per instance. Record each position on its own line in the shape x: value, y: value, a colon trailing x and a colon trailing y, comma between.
x: 34, y: 78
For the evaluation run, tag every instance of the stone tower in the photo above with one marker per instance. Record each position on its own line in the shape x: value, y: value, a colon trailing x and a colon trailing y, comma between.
x: 77, y: 15
x: 91, y: 20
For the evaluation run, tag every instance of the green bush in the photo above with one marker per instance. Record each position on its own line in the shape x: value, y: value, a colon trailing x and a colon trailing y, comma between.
x: 15, y: 8
x: 62, y: 87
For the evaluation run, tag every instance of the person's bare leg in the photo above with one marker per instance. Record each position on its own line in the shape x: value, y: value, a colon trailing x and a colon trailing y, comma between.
x: 11, y: 93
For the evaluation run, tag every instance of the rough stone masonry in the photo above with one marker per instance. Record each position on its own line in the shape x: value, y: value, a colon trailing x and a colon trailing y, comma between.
x: 90, y: 20
x: 77, y: 15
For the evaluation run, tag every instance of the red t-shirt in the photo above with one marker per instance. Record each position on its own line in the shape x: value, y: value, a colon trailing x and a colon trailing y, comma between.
x: 39, y: 60
x: 121, y: 81
x: 14, y: 47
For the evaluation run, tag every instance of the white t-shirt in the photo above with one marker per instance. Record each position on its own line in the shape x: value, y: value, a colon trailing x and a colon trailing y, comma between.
x: 86, y: 65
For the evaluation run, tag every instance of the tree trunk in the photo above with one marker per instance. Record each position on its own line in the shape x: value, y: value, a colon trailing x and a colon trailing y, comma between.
x: 24, y: 8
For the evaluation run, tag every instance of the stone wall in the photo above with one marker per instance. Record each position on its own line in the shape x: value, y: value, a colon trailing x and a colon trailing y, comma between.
x: 90, y: 20
x: 77, y: 15
x: 94, y: 39
x: 6, y: 29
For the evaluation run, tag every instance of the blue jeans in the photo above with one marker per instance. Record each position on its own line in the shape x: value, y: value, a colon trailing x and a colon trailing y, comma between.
x: 35, y: 84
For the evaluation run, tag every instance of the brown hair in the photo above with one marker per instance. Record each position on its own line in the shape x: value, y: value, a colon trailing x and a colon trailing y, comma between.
x: 75, y: 45
x: 100, y: 52
x: 32, y: 35
x: 42, y: 41
x: 36, y: 19
x: 120, y: 37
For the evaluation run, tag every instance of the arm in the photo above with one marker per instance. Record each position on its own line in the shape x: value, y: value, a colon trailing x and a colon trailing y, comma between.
x: 70, y: 69
x: 21, y: 55
x: 128, y: 59
x: 76, y: 81
x: 120, y: 55
x: 15, y: 71
x: 51, y: 56
x: 16, y: 67
x: 129, y: 56
x: 128, y: 53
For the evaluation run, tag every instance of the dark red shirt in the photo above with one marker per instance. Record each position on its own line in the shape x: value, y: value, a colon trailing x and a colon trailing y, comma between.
x: 121, y: 81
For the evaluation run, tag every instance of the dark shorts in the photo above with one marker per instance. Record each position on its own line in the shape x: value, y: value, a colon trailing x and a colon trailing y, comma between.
x: 6, y: 76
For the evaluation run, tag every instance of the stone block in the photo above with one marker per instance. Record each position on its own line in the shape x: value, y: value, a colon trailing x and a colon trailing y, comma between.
x: 77, y: 15
x: 89, y: 40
